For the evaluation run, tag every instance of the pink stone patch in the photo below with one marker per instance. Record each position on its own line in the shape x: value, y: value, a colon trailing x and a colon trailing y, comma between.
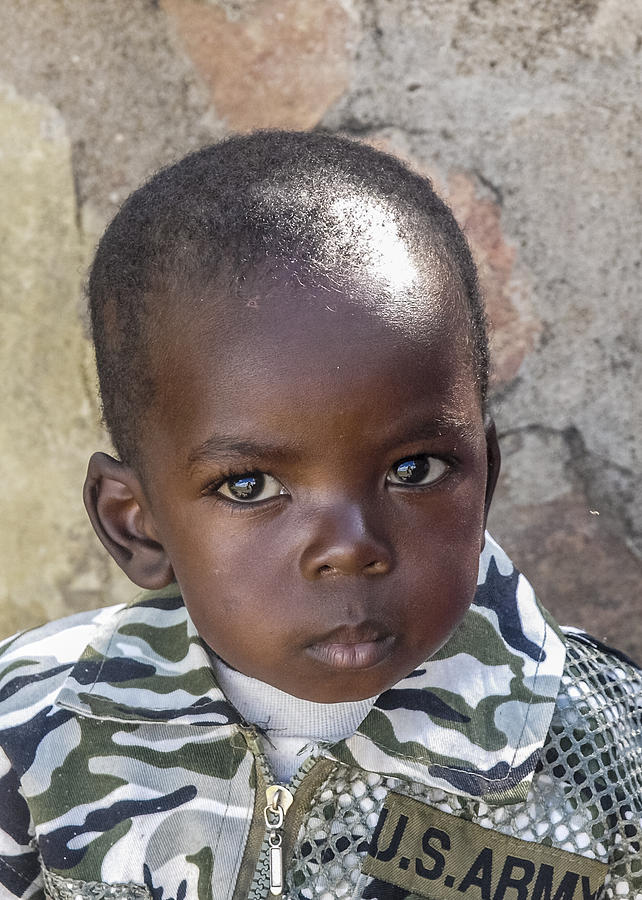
x: 279, y: 63
x: 505, y: 282
x: 583, y: 573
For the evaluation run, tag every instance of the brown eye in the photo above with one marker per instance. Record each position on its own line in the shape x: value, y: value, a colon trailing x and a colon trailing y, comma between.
x: 417, y: 470
x: 251, y: 487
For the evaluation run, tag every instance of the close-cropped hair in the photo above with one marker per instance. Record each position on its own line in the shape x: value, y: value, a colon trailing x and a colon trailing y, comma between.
x: 222, y: 213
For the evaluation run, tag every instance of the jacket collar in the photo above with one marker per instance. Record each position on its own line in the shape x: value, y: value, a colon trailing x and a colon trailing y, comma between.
x: 471, y: 720
x: 147, y: 664
x: 474, y: 718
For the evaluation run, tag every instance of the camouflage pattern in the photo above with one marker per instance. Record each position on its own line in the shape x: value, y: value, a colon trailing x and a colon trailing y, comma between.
x: 125, y: 772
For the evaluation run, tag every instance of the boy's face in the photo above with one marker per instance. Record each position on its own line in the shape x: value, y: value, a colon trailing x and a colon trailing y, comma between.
x: 317, y: 479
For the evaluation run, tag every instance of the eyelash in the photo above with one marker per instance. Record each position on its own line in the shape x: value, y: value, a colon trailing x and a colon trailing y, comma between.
x: 212, y: 490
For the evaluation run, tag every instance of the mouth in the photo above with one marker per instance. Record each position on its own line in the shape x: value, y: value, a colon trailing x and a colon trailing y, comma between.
x: 348, y: 647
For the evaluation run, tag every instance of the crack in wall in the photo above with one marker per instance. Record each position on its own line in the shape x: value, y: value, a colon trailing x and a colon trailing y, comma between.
x: 609, y: 488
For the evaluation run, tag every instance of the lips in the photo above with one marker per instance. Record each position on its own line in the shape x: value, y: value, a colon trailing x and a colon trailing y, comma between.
x: 353, y: 647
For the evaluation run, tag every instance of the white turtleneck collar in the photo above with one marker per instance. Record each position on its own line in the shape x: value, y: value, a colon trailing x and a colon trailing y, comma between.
x: 291, y: 727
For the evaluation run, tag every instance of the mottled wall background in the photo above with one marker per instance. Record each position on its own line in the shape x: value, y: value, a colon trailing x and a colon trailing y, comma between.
x: 526, y: 115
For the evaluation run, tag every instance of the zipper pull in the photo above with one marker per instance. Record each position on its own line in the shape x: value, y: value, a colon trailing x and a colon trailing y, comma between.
x: 279, y: 800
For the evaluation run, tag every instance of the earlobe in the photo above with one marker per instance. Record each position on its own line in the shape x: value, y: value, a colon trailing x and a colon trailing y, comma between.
x: 493, y: 463
x: 115, y: 502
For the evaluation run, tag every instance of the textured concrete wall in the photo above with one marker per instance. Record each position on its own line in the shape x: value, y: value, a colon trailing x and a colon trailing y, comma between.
x: 524, y: 114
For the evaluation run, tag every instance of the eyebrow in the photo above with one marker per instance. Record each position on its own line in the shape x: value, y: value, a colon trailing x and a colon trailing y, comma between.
x: 222, y: 446
x: 435, y: 428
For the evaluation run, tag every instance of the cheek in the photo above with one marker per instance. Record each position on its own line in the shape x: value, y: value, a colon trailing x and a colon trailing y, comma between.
x: 447, y: 526
x: 442, y: 586
x: 440, y: 560
x: 230, y: 572
x: 440, y: 600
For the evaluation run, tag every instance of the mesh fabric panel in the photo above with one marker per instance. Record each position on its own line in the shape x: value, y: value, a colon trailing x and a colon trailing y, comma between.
x: 586, y: 796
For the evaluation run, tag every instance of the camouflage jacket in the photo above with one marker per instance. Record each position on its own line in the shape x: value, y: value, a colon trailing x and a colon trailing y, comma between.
x: 508, y: 767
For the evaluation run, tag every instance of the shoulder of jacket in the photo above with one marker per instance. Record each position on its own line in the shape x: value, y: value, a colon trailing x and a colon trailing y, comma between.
x: 35, y: 663
x: 583, y: 646
x: 600, y: 684
x: 585, y: 796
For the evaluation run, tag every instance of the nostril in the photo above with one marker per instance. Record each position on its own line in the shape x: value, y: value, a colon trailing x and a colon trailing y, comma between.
x: 375, y: 568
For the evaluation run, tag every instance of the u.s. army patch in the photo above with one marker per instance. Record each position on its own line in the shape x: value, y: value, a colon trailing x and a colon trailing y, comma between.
x: 444, y: 857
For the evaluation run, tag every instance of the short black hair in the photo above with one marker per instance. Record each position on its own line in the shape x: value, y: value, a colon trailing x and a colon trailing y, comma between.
x: 229, y: 207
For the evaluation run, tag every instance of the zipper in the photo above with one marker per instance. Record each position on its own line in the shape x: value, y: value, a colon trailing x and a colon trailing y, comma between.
x: 279, y: 800
x: 269, y: 874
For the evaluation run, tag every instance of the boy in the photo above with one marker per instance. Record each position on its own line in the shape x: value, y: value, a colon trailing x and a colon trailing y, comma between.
x: 335, y: 685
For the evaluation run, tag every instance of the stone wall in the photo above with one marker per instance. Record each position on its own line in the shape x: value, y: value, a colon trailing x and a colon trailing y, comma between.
x: 525, y: 115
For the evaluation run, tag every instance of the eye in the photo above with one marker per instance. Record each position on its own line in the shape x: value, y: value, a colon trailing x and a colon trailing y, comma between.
x: 417, y: 470
x: 250, y: 487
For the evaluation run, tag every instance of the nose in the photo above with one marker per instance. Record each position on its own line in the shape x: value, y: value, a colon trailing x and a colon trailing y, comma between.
x: 342, y: 542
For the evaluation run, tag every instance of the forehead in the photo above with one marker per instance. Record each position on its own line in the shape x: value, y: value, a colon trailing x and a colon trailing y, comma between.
x: 384, y: 285
x: 278, y: 354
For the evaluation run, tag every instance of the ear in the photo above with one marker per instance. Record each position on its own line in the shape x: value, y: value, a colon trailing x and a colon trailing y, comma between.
x: 493, y: 463
x: 116, y: 504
